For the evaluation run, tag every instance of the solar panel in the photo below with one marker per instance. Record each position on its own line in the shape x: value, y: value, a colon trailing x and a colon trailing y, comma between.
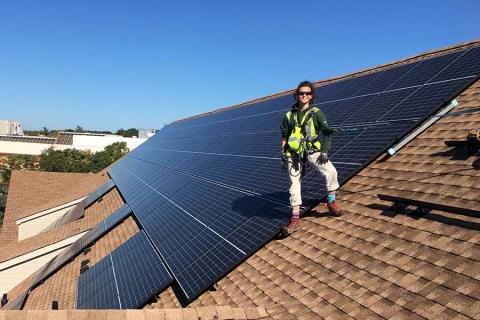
x: 354, y: 85
x: 386, y: 78
x: 140, y: 274
x: 125, y: 279
x: 467, y: 65
x: 27, y: 139
x: 425, y: 100
x: 97, y: 287
x: 209, y: 191
x: 77, y: 212
x: 75, y: 248
x: 187, y: 231
x: 100, y: 192
x: 426, y: 70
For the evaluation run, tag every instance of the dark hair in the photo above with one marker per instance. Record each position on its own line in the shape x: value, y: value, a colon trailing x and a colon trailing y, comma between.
x: 304, y: 84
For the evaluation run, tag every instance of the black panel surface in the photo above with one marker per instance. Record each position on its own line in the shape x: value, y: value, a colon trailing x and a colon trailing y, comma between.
x: 207, y: 222
x: 139, y: 272
x: 209, y: 191
x: 97, y: 288
x: 125, y: 279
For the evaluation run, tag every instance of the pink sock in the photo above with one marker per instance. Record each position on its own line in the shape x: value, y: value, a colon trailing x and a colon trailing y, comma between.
x: 295, y: 215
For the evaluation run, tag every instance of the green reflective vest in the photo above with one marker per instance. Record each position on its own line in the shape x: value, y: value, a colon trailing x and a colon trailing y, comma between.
x: 303, y: 136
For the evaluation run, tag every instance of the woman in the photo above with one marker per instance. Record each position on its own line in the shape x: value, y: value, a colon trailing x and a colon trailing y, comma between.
x: 301, y: 128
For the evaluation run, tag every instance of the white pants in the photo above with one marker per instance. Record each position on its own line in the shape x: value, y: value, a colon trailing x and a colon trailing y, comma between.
x: 327, y: 170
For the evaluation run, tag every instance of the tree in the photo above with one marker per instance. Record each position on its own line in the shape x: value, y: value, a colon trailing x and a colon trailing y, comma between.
x: 16, y: 162
x: 73, y: 160
x: 127, y: 133
x: 3, y: 200
x: 109, y: 155
x: 68, y: 160
x: 79, y: 129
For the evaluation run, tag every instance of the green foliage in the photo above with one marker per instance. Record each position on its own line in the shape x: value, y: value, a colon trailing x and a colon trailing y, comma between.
x: 110, y: 154
x: 3, y: 199
x: 72, y: 160
x: 69, y: 160
x: 16, y: 162
x: 127, y: 133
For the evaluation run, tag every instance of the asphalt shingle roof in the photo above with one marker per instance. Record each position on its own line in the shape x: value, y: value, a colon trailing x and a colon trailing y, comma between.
x: 31, y: 192
x: 371, y: 263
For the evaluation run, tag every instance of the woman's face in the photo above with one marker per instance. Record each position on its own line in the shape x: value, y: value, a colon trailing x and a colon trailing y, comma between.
x: 304, y: 95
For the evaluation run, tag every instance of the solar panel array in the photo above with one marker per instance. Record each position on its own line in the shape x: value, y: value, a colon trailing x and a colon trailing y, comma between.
x: 27, y: 139
x: 208, y: 191
x: 73, y: 250
x: 125, y: 279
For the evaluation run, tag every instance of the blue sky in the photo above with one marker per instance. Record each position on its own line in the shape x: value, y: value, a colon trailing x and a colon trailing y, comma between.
x: 110, y: 64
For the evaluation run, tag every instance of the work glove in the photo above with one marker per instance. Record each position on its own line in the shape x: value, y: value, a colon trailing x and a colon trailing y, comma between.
x: 322, y: 158
x: 284, y: 164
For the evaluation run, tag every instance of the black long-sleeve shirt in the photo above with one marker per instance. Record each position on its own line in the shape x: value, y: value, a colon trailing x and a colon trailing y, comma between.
x: 319, y: 121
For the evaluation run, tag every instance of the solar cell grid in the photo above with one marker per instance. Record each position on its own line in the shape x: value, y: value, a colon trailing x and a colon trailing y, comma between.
x: 326, y: 92
x: 139, y: 272
x: 354, y: 85
x: 426, y: 70
x: 209, y: 191
x: 126, y: 278
x: 231, y: 115
x: 425, y: 100
x: 97, y: 287
x: 386, y: 78
x: 187, y: 229
x: 374, y: 108
x: 346, y: 109
x: 467, y: 65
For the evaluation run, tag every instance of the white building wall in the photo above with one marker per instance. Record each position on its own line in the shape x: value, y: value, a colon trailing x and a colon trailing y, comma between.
x: 11, y: 147
x: 92, y: 143
x: 14, y: 271
x: 98, y: 143
x: 36, y: 223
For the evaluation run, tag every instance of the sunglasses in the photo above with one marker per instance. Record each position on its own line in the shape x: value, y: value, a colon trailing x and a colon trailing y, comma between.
x: 303, y: 93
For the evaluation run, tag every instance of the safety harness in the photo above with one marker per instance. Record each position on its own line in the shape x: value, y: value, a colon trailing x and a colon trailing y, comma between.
x: 303, y: 137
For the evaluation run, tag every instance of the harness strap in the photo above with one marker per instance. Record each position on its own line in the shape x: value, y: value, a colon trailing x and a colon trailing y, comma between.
x: 305, y: 122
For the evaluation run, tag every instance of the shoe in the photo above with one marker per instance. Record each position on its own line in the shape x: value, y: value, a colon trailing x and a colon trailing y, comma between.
x: 293, y: 226
x: 334, y: 209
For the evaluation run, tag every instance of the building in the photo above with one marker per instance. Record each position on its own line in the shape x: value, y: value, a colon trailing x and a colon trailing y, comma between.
x: 95, y: 141
x: 32, y: 145
x: 10, y: 127
x: 378, y: 261
x: 146, y: 133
